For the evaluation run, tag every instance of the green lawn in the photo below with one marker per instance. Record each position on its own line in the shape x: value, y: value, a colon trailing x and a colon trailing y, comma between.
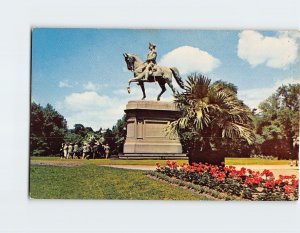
x: 103, y: 161
x: 254, y: 161
x: 93, y: 182
x: 228, y: 161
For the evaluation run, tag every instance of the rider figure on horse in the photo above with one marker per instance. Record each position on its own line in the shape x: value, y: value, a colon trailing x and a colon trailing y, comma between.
x: 150, y: 62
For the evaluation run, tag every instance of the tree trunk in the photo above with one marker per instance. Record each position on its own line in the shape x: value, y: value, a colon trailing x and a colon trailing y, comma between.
x: 203, y: 153
x: 208, y: 156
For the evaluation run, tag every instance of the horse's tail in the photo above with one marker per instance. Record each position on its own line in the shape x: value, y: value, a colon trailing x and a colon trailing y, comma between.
x: 176, y: 75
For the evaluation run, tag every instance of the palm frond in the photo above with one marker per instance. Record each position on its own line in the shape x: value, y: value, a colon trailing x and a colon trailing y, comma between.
x: 234, y: 130
x: 197, y: 86
x: 212, y: 109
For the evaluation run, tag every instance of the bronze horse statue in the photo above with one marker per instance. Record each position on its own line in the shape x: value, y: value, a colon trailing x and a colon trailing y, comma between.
x: 160, y: 74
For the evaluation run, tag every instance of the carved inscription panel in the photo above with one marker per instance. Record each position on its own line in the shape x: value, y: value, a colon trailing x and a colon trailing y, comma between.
x: 155, y: 128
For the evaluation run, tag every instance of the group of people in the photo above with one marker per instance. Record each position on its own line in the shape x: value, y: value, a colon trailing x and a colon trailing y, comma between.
x: 87, y: 151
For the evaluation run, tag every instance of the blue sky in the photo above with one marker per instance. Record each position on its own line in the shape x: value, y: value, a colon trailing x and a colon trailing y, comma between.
x: 82, y: 72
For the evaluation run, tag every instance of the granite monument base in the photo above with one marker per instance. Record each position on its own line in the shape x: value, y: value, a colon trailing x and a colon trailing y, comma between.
x: 146, y: 138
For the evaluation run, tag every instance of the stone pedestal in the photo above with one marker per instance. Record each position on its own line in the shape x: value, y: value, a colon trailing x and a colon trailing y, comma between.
x: 146, y: 139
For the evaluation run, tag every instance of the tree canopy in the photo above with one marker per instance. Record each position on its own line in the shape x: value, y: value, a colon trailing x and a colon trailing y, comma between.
x: 47, y: 130
x: 277, y: 122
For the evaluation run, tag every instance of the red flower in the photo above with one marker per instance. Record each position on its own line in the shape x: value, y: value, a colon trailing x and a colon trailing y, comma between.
x: 295, y: 183
x: 277, y: 182
x: 242, y: 171
x: 174, y: 164
x: 270, y: 184
x: 233, y: 173
x: 221, y: 176
x: 255, y: 180
x: 286, y: 177
x: 289, y: 189
x: 248, y: 180
x: 213, y: 171
x: 267, y: 173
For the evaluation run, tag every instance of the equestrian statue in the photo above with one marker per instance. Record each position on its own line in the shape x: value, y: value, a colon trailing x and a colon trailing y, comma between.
x: 149, y: 71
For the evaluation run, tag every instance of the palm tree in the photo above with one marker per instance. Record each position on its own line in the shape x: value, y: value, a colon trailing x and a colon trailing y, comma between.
x: 212, y: 115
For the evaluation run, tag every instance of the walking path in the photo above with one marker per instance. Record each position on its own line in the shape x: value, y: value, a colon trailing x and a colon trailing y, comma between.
x: 133, y: 167
x: 276, y: 169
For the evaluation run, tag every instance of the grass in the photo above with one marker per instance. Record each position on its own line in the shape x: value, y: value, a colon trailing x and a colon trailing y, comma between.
x: 93, y: 182
x: 228, y: 161
x: 254, y: 161
x: 103, y: 161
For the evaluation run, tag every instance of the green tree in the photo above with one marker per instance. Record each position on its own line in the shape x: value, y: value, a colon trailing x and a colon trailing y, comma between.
x: 79, y: 129
x: 55, y: 127
x: 110, y: 140
x: 47, y: 130
x: 37, y: 142
x: 115, y: 137
x: 72, y: 137
x: 119, y: 134
x: 212, y: 115
x: 277, y: 123
x: 81, y: 134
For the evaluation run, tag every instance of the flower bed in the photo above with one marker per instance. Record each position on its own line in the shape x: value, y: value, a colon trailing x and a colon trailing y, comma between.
x: 245, y: 183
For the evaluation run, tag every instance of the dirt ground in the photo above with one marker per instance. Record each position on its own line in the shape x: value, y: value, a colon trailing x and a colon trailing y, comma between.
x: 59, y: 164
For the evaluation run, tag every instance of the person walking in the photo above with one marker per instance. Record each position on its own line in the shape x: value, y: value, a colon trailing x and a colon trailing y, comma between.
x: 88, y: 151
x: 65, y: 150
x: 70, y: 151
x: 84, y: 151
x: 106, y: 147
x: 95, y: 150
x: 61, y: 151
x: 76, y: 151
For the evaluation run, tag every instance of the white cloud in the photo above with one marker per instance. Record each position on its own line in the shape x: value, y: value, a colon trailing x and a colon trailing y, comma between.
x: 91, y: 109
x: 96, y: 118
x: 64, y: 83
x: 253, y: 97
x: 90, y: 86
x: 275, y: 52
x: 85, y: 101
x: 189, y: 59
